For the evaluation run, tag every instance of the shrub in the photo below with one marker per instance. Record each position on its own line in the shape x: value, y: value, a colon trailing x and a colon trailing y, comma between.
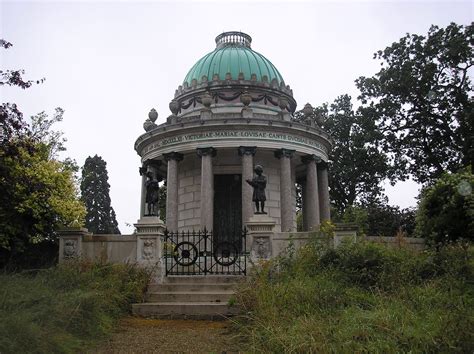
x: 446, y: 211
x: 361, y: 298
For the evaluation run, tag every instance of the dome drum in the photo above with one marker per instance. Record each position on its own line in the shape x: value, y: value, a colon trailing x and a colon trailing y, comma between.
x: 265, y: 100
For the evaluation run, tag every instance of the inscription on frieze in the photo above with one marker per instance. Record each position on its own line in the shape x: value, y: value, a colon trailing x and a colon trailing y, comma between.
x: 237, y: 134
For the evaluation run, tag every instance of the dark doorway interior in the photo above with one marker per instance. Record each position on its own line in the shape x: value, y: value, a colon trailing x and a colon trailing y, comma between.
x: 228, y: 209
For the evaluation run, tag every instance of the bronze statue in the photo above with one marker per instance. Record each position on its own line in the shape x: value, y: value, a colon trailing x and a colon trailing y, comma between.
x: 152, y: 194
x: 259, y: 183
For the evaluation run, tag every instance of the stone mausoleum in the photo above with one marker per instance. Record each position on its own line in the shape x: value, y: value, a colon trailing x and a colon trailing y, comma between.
x: 234, y: 111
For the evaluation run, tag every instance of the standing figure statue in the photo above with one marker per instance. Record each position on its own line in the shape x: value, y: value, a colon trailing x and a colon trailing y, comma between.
x: 259, y: 183
x: 152, y: 194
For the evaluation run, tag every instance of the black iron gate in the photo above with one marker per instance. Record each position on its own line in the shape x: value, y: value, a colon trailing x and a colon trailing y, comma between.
x: 201, y: 252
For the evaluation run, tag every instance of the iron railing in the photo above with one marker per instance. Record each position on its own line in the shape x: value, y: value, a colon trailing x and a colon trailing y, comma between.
x: 201, y: 253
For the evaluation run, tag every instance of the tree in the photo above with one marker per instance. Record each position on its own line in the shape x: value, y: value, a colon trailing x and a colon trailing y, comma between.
x: 357, y: 165
x: 446, y: 211
x: 37, y: 191
x: 420, y: 101
x: 100, y: 217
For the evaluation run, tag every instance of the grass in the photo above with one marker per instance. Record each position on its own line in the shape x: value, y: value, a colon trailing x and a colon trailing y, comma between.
x: 65, y: 308
x: 361, y: 298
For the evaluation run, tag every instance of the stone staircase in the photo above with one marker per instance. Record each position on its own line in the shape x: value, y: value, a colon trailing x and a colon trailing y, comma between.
x: 190, y: 297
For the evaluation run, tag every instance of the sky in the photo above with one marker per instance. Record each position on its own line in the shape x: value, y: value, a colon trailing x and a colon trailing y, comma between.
x: 107, y: 63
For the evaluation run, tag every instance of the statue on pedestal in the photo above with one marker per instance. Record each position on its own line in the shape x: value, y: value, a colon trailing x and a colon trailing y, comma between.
x: 259, y: 183
x: 152, y: 194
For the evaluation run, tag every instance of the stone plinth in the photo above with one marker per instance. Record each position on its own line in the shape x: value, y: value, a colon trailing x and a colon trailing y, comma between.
x: 260, y: 227
x: 149, y: 240
x: 70, y: 242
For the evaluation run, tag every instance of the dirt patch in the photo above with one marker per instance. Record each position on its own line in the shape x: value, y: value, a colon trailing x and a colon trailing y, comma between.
x: 140, y: 335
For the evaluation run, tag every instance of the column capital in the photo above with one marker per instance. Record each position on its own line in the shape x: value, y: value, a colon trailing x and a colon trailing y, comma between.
x: 247, y: 150
x: 323, y: 164
x: 207, y: 151
x: 284, y: 153
x: 308, y: 158
x: 173, y: 156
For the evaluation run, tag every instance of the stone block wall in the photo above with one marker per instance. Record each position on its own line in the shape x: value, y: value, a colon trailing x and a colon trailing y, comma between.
x: 226, y: 162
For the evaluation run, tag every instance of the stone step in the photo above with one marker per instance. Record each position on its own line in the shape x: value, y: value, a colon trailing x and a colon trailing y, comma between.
x: 190, y: 287
x: 194, y: 279
x: 191, y: 310
x: 183, y: 296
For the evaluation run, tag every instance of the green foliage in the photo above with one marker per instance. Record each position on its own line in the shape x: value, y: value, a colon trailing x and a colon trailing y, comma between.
x: 37, y: 190
x: 420, y: 101
x: 100, y: 217
x: 446, y: 211
x: 64, y: 309
x: 355, y: 143
x: 37, y: 196
x: 379, y: 219
x: 361, y: 298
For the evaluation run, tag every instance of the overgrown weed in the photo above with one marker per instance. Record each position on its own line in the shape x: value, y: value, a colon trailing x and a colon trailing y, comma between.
x: 361, y: 297
x: 66, y: 308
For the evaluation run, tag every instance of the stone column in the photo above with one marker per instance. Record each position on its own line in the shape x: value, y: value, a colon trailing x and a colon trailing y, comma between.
x: 247, y: 153
x: 323, y: 186
x: 312, y: 193
x: 286, y: 209
x: 172, y: 190
x: 304, y: 197
x: 207, y: 187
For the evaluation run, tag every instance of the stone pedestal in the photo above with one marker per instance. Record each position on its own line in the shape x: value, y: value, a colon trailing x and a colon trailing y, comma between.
x: 260, y: 227
x: 70, y: 242
x: 150, y: 231
x: 345, y: 233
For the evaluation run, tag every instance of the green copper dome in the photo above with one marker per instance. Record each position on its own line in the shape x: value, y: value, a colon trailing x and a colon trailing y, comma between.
x: 233, y: 55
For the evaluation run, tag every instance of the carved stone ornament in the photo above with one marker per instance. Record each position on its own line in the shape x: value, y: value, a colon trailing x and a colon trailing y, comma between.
x: 246, y: 98
x: 282, y: 103
x: 206, y: 100
x: 149, y: 125
x: 261, y: 248
x: 174, y: 107
x: 307, y: 110
x: 70, y: 248
x: 153, y: 115
x: 148, y: 250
